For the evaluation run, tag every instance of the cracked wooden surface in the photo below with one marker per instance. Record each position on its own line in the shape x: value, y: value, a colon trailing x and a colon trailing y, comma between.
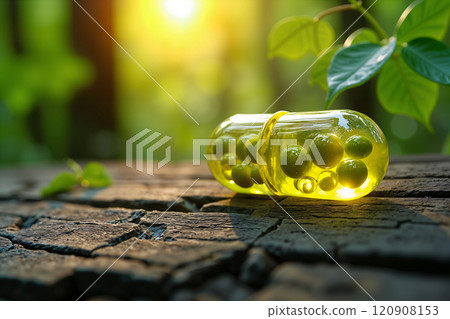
x: 213, y: 244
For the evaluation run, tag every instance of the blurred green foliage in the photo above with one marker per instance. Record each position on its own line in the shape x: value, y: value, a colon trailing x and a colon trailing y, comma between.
x: 37, y: 80
x: 214, y: 63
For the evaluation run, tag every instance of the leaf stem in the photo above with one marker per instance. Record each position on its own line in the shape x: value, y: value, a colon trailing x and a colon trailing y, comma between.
x: 344, y: 7
x: 357, y: 5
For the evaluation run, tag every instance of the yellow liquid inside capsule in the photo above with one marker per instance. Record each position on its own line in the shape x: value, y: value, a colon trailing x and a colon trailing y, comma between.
x: 339, y: 155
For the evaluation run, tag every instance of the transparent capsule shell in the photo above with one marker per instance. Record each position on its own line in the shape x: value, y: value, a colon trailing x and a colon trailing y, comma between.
x: 336, y: 155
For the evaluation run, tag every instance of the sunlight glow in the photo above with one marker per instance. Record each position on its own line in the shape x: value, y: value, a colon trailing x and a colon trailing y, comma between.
x: 346, y: 192
x: 180, y: 9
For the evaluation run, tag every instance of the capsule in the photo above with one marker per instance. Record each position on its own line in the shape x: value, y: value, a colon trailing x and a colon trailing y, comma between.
x: 337, y: 155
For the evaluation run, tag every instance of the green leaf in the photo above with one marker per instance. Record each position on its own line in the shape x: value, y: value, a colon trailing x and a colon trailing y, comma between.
x: 403, y: 91
x: 430, y: 58
x: 362, y: 35
x: 75, y: 167
x: 95, y: 175
x: 292, y: 38
x: 427, y: 18
x: 61, y: 183
x: 320, y: 69
x: 354, y: 65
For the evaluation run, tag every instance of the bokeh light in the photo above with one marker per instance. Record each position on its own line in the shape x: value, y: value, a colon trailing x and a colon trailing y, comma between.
x: 180, y: 9
x: 403, y: 127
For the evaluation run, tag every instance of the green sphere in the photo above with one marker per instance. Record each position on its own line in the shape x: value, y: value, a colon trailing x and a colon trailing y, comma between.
x: 358, y: 146
x: 241, y: 175
x: 352, y: 173
x: 294, y: 161
x: 327, y: 180
x: 256, y: 175
x: 306, y: 185
x: 242, y: 146
x: 330, y: 149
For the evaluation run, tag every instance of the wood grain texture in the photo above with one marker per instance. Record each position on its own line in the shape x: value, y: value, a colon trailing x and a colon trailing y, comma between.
x: 213, y: 244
